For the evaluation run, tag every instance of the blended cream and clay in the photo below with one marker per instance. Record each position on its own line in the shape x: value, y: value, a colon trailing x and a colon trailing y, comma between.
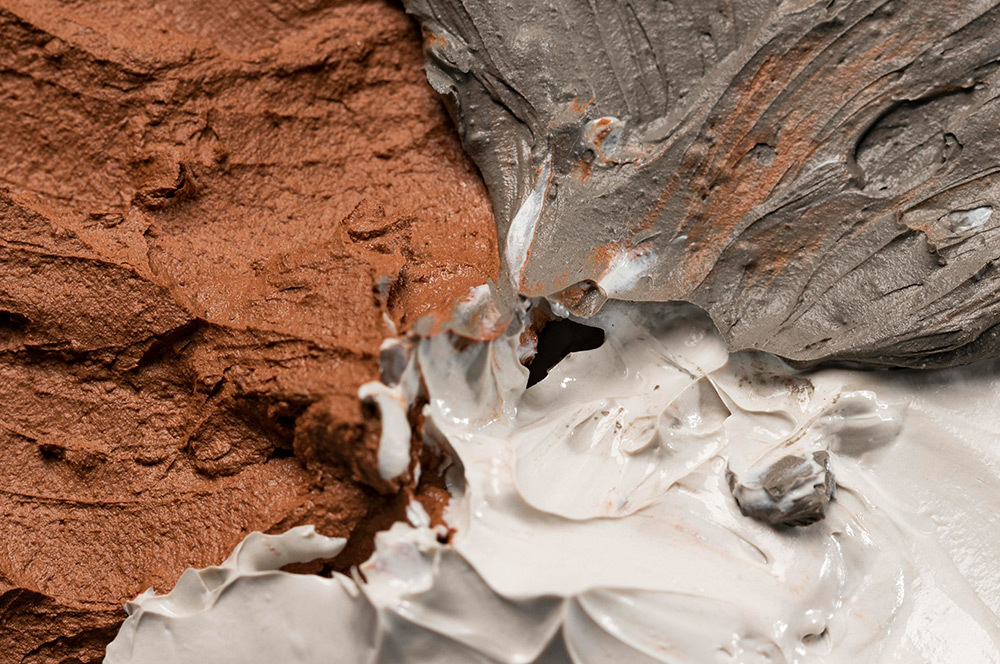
x: 211, y: 216
x: 596, y: 520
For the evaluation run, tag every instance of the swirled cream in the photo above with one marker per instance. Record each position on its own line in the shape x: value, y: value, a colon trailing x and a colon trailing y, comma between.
x: 613, y: 513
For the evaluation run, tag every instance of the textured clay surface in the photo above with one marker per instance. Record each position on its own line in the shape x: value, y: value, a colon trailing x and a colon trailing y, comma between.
x: 821, y: 177
x: 209, y: 214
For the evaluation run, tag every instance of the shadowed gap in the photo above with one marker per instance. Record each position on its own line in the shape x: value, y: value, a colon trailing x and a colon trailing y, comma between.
x: 558, y: 339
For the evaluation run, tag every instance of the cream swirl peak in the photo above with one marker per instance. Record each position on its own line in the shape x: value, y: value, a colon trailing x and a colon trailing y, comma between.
x: 596, y: 519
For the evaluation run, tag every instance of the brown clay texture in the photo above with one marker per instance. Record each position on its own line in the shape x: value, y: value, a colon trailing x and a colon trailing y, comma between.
x: 211, y: 215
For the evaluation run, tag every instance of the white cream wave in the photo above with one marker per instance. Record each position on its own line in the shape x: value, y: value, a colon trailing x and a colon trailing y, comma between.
x: 595, y: 522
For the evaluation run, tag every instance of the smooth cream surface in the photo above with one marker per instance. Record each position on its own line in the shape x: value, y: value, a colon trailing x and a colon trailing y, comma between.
x: 595, y: 522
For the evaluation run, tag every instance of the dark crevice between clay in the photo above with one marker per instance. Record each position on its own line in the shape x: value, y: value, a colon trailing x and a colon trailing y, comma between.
x: 558, y: 339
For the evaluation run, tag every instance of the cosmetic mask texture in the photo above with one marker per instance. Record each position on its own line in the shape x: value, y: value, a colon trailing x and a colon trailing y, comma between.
x: 820, y: 177
x: 597, y: 520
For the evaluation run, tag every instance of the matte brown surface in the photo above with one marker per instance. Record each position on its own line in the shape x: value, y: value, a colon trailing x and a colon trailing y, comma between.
x: 206, y: 209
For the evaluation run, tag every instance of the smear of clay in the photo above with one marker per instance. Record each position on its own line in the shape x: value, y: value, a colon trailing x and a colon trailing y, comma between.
x: 211, y: 215
x: 798, y: 169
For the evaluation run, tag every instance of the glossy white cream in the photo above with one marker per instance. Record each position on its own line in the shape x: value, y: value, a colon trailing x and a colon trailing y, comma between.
x: 595, y: 522
x: 394, y: 441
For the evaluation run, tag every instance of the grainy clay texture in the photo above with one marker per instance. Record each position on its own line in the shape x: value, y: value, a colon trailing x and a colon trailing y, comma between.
x: 211, y: 215
x: 820, y: 176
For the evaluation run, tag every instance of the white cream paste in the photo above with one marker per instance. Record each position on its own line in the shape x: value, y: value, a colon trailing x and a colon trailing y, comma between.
x: 595, y: 522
